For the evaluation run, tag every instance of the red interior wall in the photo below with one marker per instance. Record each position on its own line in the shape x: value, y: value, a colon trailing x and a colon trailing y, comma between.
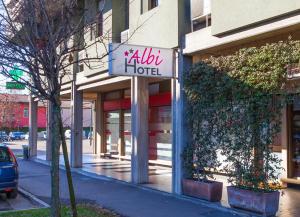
x: 163, y: 99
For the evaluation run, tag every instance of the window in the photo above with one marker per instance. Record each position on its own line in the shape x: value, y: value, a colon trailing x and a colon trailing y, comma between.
x: 147, y: 5
x: 112, y: 131
x: 153, y: 4
x: 81, y: 67
x: 92, y: 32
x: 126, y: 14
x: 100, y: 20
x: 26, y: 113
x: 4, y: 155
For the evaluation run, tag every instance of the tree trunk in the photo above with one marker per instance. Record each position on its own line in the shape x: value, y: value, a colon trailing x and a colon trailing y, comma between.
x: 55, y: 145
x: 68, y: 168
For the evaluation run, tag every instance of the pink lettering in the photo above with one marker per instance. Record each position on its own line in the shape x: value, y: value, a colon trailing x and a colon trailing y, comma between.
x: 144, y: 54
x: 157, y: 61
x: 135, y: 56
x: 151, y: 57
x: 147, y: 57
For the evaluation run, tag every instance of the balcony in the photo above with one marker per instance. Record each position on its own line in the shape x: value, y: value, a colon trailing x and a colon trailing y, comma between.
x: 14, y: 7
x: 125, y: 36
x: 237, y: 15
x: 215, y: 25
x: 96, y: 48
x: 203, y: 42
x: 200, y: 14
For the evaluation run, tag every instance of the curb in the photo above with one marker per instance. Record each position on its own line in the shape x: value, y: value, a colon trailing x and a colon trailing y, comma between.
x: 233, y: 211
x: 33, y: 198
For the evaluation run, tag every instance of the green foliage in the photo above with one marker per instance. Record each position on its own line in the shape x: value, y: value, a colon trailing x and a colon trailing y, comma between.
x: 188, y: 162
x: 83, y: 211
x: 234, y: 108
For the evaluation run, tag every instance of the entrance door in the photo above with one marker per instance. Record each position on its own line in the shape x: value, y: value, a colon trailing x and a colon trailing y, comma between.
x: 160, y: 137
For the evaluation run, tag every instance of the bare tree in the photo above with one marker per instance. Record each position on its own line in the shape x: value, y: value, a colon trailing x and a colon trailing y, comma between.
x: 43, y: 38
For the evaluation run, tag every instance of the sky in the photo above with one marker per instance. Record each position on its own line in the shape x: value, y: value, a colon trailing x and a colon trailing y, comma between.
x: 4, y: 79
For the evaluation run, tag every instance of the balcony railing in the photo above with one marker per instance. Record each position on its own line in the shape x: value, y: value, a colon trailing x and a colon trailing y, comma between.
x: 125, y: 36
x: 200, y: 14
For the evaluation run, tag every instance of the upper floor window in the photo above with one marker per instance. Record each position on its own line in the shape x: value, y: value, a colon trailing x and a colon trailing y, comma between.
x: 153, y: 4
x: 147, y: 5
x: 100, y: 20
x: 126, y: 14
x: 200, y: 14
x: 26, y: 113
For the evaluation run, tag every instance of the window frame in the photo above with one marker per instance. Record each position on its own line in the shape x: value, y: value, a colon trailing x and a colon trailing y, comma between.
x: 153, y: 4
x: 100, y: 18
x: 27, y: 110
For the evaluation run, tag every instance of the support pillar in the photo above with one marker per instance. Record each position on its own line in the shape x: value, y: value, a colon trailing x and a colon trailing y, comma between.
x: 33, y: 128
x: 121, y: 143
x: 49, y: 131
x: 139, y: 129
x: 179, y: 126
x: 76, y: 127
x: 93, y: 139
x: 99, y: 138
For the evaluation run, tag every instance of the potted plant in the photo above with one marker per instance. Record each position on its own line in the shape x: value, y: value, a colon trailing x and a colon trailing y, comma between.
x: 252, y: 167
x: 200, y: 161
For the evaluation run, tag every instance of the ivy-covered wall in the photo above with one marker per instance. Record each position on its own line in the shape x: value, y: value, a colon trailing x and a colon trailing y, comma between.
x: 234, y: 105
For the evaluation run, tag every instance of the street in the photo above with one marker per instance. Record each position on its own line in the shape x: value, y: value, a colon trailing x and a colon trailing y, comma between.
x: 16, y: 146
x: 124, y: 199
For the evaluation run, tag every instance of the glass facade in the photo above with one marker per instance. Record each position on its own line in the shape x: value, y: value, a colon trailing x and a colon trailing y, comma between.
x: 118, y: 122
x: 127, y: 132
x: 112, y: 126
x: 160, y: 134
x: 160, y: 137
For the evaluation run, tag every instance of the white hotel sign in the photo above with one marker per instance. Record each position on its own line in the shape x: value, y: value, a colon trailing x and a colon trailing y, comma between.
x: 132, y: 60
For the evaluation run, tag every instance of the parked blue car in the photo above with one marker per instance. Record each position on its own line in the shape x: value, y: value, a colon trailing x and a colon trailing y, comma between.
x: 9, y: 174
x: 16, y: 136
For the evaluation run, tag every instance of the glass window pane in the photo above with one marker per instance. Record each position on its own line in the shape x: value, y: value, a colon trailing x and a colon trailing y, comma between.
x: 112, y: 131
x: 160, y: 137
x: 127, y: 132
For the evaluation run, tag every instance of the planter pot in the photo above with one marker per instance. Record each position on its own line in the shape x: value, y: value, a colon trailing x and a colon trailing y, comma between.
x: 211, y: 191
x: 259, y: 202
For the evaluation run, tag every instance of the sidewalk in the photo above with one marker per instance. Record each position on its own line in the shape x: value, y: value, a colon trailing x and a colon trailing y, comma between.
x: 125, y: 199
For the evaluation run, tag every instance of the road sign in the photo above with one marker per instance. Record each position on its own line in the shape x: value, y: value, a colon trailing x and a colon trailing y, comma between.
x: 16, y: 73
x: 15, y: 85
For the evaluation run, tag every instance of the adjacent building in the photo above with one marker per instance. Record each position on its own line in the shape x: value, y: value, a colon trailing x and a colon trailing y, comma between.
x: 14, y: 112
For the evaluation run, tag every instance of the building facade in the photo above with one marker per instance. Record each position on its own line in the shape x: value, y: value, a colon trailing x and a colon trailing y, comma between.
x: 14, y: 111
x: 153, y: 131
x: 250, y: 24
